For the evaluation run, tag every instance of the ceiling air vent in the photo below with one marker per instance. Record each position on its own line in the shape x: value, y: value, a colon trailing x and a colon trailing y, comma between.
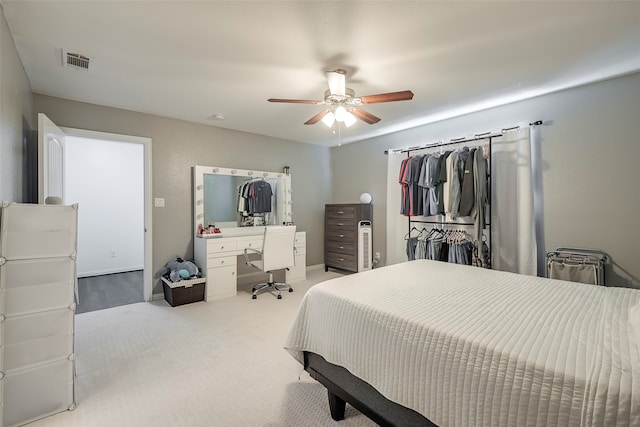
x: 75, y: 60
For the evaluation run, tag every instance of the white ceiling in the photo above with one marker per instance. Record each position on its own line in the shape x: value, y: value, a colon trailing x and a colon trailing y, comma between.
x: 194, y: 59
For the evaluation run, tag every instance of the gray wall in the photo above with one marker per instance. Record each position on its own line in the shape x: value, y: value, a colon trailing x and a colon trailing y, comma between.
x: 16, y: 117
x: 590, y: 151
x: 178, y: 145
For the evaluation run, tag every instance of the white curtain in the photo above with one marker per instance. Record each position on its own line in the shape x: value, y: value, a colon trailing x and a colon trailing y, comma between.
x: 397, y: 224
x: 515, y: 206
x: 512, y: 204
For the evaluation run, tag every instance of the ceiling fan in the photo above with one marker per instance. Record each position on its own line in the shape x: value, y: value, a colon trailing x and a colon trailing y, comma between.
x: 342, y: 104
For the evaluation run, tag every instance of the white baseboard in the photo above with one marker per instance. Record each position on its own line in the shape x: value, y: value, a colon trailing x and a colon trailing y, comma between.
x: 109, y: 271
x: 315, y: 267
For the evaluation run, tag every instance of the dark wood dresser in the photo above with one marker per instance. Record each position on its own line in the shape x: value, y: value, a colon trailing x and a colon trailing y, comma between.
x: 341, y: 234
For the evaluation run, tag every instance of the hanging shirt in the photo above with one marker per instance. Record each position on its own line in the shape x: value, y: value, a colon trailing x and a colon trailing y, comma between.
x: 415, y: 191
x: 456, y: 187
x: 452, y: 186
x: 404, y: 183
x: 441, y: 177
x: 467, y: 196
x: 432, y: 169
x: 423, y: 182
x: 261, y: 194
x: 481, y: 196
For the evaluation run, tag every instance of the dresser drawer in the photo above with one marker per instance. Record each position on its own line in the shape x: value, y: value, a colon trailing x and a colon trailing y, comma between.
x: 341, y: 235
x: 215, y: 246
x: 222, y: 261
x: 347, y: 248
x: 301, y: 239
x: 346, y: 212
x: 250, y: 243
x: 340, y: 224
x: 343, y: 261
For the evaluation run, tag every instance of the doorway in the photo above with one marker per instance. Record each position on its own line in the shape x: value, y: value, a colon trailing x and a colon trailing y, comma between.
x: 58, y: 174
x: 106, y: 179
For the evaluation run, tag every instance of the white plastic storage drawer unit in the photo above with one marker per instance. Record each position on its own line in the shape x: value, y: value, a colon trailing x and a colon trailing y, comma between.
x: 37, y: 306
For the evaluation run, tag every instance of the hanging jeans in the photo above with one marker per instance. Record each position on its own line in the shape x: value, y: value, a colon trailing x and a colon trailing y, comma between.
x: 412, y: 242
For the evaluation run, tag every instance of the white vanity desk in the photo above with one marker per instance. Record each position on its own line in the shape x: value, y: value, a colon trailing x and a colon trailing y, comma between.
x: 218, y: 259
x: 215, y: 198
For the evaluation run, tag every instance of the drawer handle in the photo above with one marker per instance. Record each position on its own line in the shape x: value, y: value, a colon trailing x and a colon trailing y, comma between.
x: 340, y: 224
x: 340, y: 235
x: 222, y: 262
x: 340, y: 247
x: 340, y: 259
x: 221, y: 247
x: 340, y: 212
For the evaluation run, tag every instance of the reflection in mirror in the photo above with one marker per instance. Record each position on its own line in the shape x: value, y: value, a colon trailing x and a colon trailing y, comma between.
x: 221, y: 200
x: 238, y: 201
x: 229, y: 198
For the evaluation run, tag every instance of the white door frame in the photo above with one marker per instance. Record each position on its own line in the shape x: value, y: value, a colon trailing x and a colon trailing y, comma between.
x: 146, y: 143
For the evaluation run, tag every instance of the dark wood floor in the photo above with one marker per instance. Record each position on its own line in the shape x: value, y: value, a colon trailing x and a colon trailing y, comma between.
x: 110, y: 290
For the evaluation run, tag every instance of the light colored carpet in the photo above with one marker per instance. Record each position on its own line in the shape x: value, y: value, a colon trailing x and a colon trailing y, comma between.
x: 203, y: 364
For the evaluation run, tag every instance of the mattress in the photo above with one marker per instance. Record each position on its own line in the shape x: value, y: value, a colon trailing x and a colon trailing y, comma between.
x: 466, y: 346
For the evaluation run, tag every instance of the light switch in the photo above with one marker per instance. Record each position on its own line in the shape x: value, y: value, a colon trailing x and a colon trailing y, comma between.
x: 159, y: 202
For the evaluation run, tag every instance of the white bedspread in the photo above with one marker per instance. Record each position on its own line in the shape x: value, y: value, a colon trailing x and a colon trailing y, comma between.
x: 466, y: 346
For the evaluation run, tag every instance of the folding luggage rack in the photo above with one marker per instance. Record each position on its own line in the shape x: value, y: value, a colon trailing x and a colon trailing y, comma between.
x: 577, y: 265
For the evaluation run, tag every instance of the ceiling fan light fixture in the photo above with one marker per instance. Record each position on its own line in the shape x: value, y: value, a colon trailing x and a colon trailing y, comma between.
x: 349, y: 119
x: 340, y: 113
x: 328, y: 119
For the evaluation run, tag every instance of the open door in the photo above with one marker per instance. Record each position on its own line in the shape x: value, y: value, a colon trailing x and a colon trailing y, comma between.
x: 50, y: 161
x: 51, y: 167
x: 51, y: 177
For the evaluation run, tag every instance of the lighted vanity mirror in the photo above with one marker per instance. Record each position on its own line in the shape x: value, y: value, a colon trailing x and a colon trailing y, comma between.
x: 218, y: 198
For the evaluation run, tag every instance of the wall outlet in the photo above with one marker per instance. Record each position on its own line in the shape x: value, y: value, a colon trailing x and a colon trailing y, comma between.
x: 158, y: 202
x: 113, y: 254
x: 377, y: 256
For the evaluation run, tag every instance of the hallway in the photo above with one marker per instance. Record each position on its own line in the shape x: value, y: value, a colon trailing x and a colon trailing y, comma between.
x: 109, y: 290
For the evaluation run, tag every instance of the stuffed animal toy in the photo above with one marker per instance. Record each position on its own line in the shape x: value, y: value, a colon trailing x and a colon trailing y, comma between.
x: 179, y: 269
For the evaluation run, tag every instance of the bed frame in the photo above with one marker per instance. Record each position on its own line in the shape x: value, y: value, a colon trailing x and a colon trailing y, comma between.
x: 342, y: 387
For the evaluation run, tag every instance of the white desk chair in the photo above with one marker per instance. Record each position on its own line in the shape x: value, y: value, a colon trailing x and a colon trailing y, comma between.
x: 277, y: 254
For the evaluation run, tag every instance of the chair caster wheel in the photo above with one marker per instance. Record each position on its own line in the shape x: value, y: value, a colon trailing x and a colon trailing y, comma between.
x: 254, y: 296
x: 279, y: 296
x: 290, y: 289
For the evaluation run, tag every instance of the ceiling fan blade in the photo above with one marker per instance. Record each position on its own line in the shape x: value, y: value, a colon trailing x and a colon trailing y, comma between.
x: 295, y: 101
x: 404, y: 95
x: 315, y: 119
x: 337, y: 82
x: 365, y: 116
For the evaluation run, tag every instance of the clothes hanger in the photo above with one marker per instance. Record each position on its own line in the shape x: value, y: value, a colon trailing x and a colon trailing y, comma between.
x: 422, y: 234
x: 406, y: 236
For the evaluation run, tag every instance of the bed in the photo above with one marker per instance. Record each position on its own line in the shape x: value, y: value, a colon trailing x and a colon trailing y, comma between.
x: 459, y: 346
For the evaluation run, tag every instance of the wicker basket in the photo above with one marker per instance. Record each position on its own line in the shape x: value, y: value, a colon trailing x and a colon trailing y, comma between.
x: 184, y: 291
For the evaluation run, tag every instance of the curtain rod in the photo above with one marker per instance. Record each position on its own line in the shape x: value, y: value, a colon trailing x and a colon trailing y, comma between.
x: 476, y: 137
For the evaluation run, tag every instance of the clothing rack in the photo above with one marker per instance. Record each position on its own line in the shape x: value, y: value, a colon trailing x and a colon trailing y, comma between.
x: 489, y: 136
